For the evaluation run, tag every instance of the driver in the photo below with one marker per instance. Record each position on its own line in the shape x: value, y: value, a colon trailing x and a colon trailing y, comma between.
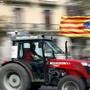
x: 30, y: 53
x: 29, y: 56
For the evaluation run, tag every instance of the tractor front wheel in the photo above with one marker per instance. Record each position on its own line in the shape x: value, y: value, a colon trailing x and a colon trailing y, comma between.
x: 71, y: 83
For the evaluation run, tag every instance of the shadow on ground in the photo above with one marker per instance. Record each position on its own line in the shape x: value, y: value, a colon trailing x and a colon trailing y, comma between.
x: 48, y: 88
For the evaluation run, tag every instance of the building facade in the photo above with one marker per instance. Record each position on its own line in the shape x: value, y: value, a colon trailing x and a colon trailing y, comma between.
x: 34, y: 16
x: 33, y: 13
x: 39, y: 16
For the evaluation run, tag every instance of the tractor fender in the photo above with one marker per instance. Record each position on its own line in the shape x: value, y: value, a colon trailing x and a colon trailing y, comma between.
x: 23, y: 65
x: 74, y: 73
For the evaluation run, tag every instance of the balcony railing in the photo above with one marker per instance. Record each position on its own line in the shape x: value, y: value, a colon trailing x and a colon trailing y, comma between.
x: 32, y: 27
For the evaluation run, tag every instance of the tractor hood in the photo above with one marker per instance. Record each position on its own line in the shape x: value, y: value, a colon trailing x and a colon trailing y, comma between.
x: 68, y: 63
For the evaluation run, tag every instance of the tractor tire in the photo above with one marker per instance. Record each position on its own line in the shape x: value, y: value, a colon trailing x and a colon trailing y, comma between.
x: 71, y: 83
x: 14, y: 77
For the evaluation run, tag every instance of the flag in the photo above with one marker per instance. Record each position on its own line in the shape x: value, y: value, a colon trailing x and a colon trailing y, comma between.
x: 75, y: 26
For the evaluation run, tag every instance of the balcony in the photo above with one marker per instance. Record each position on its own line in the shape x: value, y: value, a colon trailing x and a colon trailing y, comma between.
x: 25, y: 2
x: 32, y: 28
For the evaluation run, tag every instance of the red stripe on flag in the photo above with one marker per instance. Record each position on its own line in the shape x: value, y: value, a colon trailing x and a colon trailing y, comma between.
x: 70, y: 27
x: 76, y: 18
x: 74, y: 32
x: 62, y: 22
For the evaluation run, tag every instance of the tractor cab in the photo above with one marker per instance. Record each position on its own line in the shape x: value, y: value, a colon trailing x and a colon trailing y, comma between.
x: 35, y: 51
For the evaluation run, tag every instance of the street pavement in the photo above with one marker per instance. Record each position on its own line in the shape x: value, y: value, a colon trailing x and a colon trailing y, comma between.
x: 48, y: 88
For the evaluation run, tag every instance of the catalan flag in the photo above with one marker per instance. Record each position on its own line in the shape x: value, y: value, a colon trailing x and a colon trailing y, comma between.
x: 75, y: 26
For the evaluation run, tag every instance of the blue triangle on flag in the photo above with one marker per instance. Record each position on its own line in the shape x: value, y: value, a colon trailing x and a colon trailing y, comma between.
x: 87, y: 24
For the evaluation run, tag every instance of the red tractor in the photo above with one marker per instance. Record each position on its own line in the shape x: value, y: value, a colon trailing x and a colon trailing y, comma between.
x: 45, y: 68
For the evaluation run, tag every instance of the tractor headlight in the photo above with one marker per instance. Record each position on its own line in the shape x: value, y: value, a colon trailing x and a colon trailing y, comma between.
x: 84, y: 64
x: 87, y: 67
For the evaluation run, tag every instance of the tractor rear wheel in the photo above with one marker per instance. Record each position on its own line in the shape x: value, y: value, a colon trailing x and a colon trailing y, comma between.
x: 14, y: 77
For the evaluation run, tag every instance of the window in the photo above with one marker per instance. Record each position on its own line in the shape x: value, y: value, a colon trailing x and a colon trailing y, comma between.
x: 18, y: 12
x: 26, y: 45
x: 37, y: 49
x: 48, y: 51
x: 23, y: 46
x: 47, y: 14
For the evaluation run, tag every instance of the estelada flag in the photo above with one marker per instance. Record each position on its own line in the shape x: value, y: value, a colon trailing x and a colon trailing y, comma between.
x: 75, y: 26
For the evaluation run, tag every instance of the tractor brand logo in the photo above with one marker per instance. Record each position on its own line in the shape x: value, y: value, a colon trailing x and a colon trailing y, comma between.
x: 26, y: 37
x: 23, y: 37
x: 87, y: 24
x: 59, y: 63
